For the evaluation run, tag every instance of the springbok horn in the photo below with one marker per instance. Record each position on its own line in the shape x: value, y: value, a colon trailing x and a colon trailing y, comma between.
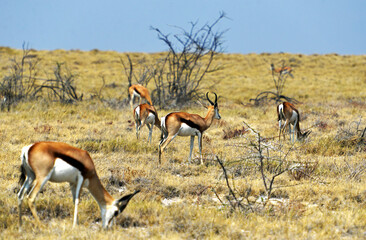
x: 209, y: 99
x: 215, y: 99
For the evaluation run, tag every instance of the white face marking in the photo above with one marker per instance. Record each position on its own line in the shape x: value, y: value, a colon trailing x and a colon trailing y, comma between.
x: 186, y: 130
x: 217, y: 115
x: 108, y: 214
x: 64, y: 172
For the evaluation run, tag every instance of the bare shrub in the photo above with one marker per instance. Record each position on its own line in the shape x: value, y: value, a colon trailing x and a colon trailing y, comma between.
x: 353, y: 136
x: 143, y: 76
x: 20, y: 82
x: 23, y: 84
x: 266, y: 159
x: 61, y: 87
x: 279, y: 77
x: 178, y: 76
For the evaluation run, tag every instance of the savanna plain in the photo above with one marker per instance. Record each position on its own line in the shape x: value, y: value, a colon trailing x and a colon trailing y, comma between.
x: 324, y: 198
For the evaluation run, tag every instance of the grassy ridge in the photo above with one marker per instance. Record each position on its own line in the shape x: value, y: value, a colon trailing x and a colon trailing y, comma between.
x: 176, y: 199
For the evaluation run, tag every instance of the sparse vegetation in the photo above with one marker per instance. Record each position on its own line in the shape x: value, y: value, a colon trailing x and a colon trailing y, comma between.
x: 22, y: 82
x: 190, y: 58
x: 322, y: 195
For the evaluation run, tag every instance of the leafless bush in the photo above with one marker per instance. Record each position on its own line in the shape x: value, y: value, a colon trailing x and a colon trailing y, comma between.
x: 353, y: 136
x: 279, y: 77
x: 179, y: 74
x: 61, y: 87
x: 23, y: 82
x: 235, y: 201
x: 269, y: 161
x: 20, y: 82
x: 143, y: 77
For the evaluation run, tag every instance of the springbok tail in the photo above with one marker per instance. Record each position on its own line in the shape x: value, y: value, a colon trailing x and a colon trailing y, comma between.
x: 22, y: 175
x: 137, y: 117
x: 163, y: 129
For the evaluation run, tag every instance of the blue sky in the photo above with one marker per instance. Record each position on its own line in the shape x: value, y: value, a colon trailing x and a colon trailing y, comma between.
x: 256, y: 26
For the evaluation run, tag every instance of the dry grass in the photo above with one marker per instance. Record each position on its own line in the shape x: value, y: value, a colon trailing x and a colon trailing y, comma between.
x: 177, y: 201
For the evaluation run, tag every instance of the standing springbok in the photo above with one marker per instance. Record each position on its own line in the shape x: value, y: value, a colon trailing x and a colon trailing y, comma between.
x: 185, y: 124
x: 286, y: 111
x: 282, y: 70
x: 146, y: 114
x: 140, y: 92
x: 60, y: 162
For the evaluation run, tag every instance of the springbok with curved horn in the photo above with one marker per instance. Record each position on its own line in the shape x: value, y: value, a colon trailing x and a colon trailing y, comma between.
x: 286, y: 111
x: 146, y: 114
x: 140, y: 92
x: 185, y: 124
x: 60, y: 162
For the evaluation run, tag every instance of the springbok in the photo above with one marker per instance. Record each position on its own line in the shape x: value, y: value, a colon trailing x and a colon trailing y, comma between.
x: 60, y: 162
x: 3, y: 102
x: 282, y: 70
x: 146, y: 114
x: 286, y: 111
x: 185, y: 124
x: 140, y: 92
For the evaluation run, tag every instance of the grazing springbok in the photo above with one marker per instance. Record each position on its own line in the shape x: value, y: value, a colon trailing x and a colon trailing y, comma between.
x: 146, y: 114
x: 60, y: 162
x: 286, y: 111
x: 282, y: 70
x: 185, y: 124
x: 3, y: 102
x: 140, y: 92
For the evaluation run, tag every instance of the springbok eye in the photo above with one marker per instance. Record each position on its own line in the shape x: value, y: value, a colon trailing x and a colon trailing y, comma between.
x: 116, y: 213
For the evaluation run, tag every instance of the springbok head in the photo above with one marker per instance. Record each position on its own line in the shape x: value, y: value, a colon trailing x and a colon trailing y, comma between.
x: 214, y: 107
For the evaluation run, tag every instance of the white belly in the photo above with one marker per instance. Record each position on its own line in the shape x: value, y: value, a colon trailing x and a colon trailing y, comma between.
x: 186, y: 130
x: 64, y: 172
x: 294, y: 117
x: 136, y: 94
x: 150, y: 118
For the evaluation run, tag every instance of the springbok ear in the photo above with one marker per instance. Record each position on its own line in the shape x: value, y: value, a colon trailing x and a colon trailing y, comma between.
x: 308, y: 133
x: 122, y: 202
x: 305, y: 134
